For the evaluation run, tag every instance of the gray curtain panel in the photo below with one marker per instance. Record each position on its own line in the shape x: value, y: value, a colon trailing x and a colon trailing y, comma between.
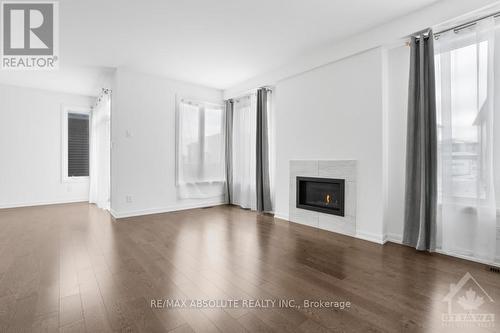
x: 263, y: 187
x: 421, y: 148
x: 229, y: 150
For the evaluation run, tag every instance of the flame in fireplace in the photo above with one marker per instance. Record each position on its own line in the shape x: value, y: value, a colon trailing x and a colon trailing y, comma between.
x: 328, y: 199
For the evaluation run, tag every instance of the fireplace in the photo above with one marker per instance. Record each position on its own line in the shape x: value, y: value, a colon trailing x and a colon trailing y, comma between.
x: 323, y: 195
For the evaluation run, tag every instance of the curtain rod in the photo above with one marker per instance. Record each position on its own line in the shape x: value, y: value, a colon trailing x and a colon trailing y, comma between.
x: 104, y: 91
x: 251, y: 91
x: 466, y: 25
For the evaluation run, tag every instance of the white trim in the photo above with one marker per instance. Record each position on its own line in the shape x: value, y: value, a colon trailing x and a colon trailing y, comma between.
x: 398, y: 239
x: 281, y: 217
x: 371, y: 237
x: 65, y: 109
x: 469, y: 258
x: 168, y: 209
x: 394, y: 238
x: 43, y: 203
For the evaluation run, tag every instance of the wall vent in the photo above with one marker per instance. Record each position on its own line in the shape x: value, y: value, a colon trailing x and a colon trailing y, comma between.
x: 495, y: 269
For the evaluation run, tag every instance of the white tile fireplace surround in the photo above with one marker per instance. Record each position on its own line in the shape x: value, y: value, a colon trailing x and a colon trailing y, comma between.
x: 340, y: 169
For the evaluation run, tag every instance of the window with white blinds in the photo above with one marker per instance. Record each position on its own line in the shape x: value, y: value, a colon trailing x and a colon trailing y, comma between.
x: 78, y: 145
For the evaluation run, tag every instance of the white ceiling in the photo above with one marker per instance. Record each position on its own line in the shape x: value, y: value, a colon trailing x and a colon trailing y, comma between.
x: 217, y: 43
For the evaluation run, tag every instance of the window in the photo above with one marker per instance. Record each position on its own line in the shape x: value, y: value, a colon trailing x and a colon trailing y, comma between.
x: 467, y: 114
x: 200, y: 142
x: 76, y: 123
x: 461, y: 95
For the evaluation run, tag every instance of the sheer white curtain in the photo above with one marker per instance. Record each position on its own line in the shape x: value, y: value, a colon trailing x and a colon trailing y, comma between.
x: 100, y: 152
x: 244, y: 152
x: 466, y: 63
x: 200, y: 149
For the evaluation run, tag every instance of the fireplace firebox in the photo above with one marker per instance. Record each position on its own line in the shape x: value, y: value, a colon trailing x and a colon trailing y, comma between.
x: 323, y: 195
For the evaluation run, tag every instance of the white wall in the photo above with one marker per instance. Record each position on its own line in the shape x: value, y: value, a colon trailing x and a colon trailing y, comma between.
x: 143, y: 140
x: 335, y: 112
x: 30, y: 147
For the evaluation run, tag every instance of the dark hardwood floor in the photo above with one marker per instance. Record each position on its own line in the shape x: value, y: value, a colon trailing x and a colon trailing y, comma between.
x: 72, y: 268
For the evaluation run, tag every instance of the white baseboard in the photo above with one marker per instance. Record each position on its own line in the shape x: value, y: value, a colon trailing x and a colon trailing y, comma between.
x: 469, y: 258
x: 394, y: 238
x: 168, y: 209
x: 371, y: 237
x: 43, y: 203
x: 281, y: 216
x: 398, y: 239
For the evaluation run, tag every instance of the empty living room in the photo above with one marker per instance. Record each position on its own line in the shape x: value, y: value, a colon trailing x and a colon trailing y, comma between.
x: 249, y: 166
